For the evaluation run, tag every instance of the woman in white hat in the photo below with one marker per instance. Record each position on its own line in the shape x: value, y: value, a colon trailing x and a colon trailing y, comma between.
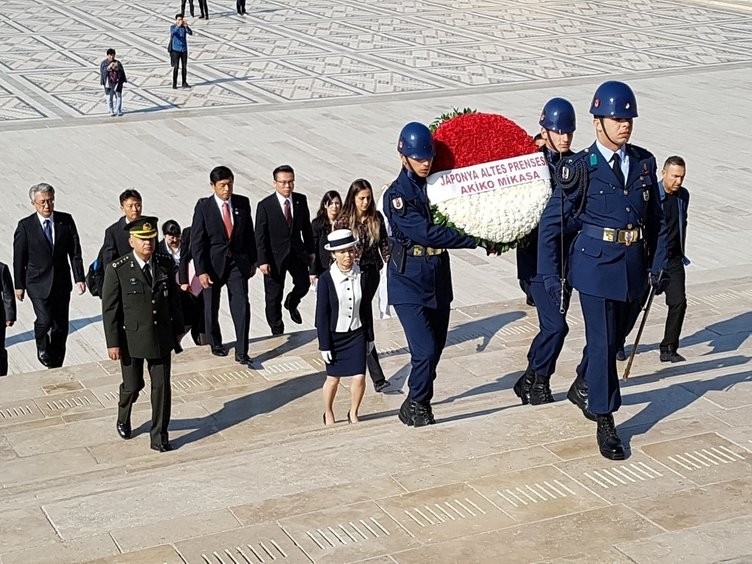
x: 344, y: 323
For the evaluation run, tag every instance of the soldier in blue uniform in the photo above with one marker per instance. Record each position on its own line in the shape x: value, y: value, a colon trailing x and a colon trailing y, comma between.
x: 558, y: 123
x: 620, y: 248
x: 419, y: 278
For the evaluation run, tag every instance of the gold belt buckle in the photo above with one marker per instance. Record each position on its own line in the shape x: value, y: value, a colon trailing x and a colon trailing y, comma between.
x: 417, y: 250
x: 629, y: 237
x: 608, y: 234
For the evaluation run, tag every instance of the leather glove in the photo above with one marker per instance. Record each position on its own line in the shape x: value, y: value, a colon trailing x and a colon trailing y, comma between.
x: 552, y: 284
x: 659, y: 285
x: 326, y: 356
x: 370, y: 346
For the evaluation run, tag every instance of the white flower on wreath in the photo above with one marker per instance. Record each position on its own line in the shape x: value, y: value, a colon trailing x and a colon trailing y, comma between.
x: 503, y: 215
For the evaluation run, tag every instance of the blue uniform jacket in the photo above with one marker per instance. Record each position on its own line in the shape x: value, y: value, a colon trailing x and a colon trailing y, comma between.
x: 603, y: 268
x: 527, y: 253
x: 425, y: 281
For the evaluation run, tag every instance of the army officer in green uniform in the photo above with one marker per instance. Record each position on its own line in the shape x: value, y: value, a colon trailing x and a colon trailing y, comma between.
x: 143, y: 321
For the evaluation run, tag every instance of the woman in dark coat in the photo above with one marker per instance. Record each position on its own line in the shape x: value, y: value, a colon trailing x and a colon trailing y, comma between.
x: 344, y: 324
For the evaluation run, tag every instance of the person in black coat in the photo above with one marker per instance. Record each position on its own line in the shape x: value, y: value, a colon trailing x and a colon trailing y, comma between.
x: 8, y: 312
x: 45, y: 249
x: 344, y: 323
x: 284, y: 241
x: 224, y: 254
x: 321, y: 226
x: 115, y: 236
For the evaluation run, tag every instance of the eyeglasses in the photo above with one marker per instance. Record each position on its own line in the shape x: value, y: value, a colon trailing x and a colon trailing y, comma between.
x: 43, y: 203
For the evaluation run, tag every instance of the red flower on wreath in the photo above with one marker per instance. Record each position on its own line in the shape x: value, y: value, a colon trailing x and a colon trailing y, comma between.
x: 474, y: 138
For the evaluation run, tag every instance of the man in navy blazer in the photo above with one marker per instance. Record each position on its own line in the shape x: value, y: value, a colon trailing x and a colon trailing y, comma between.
x: 620, y: 248
x: 675, y: 201
x: 284, y: 241
x: 224, y: 253
x: 45, y: 249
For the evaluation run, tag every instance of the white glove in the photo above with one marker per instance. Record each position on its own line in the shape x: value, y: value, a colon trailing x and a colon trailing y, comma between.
x: 326, y: 356
x: 369, y: 347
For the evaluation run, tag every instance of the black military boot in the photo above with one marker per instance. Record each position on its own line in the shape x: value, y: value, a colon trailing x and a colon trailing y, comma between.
x: 523, y: 385
x: 540, y: 392
x: 423, y: 414
x: 609, y: 442
x: 578, y: 394
x: 407, y: 413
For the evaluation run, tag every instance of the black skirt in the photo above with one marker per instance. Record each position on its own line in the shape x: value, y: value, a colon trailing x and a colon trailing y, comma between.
x: 348, y: 354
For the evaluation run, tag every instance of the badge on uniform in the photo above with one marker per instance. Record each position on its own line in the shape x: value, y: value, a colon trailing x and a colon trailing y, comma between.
x: 565, y: 172
x: 646, y: 195
x: 593, y: 159
x: 397, y: 203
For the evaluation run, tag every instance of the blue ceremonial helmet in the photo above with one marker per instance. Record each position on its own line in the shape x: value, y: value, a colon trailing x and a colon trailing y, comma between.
x: 558, y: 115
x: 416, y: 142
x: 615, y: 100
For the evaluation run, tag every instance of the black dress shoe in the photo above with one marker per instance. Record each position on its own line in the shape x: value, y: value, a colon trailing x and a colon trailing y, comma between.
x: 406, y: 414
x: 219, y: 350
x: 621, y: 355
x: 381, y: 386
x: 277, y: 330
x: 294, y: 313
x: 609, y: 442
x: 671, y: 356
x: 522, y: 386
x: 243, y: 359
x: 44, y: 358
x: 124, y: 430
x: 578, y: 394
x: 163, y: 447
x: 185, y: 85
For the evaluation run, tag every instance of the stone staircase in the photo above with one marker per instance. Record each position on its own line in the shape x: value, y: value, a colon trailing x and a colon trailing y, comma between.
x: 257, y: 478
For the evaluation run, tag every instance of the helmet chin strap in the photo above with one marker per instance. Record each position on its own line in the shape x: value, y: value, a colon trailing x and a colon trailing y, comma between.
x: 605, y: 132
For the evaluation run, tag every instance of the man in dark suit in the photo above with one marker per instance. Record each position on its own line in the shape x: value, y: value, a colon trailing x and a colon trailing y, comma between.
x: 284, y: 241
x: 224, y: 253
x: 45, y: 248
x: 142, y: 322
x: 115, y: 236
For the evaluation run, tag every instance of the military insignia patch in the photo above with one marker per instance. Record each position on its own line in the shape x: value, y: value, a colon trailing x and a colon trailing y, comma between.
x: 565, y: 173
x: 596, y: 102
x: 593, y: 160
x: 397, y: 203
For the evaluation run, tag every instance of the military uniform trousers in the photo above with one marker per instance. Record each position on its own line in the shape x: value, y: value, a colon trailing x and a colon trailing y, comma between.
x: 676, y: 300
x: 547, y: 344
x: 605, y: 324
x: 426, y: 331
x: 161, y: 393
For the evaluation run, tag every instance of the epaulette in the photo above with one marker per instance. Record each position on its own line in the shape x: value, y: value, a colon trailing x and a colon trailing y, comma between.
x: 121, y: 261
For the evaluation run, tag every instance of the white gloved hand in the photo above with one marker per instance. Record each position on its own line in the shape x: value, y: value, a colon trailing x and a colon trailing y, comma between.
x: 370, y: 345
x: 326, y: 356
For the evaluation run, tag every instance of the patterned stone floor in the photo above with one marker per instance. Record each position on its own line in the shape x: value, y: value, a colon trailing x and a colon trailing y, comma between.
x: 344, y: 50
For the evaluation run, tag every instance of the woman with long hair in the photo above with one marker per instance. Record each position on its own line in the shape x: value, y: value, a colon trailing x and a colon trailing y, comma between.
x: 360, y: 216
x: 322, y: 225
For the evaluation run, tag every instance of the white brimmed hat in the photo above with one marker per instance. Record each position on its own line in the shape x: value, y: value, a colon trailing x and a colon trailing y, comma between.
x: 340, y: 239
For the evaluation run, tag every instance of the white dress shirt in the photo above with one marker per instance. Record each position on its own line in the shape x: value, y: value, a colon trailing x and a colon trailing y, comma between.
x: 221, y: 204
x: 349, y: 295
x: 42, y: 219
x: 281, y: 199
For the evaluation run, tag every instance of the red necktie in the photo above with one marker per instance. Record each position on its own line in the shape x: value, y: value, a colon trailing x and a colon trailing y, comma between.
x: 288, y: 213
x: 227, y: 219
